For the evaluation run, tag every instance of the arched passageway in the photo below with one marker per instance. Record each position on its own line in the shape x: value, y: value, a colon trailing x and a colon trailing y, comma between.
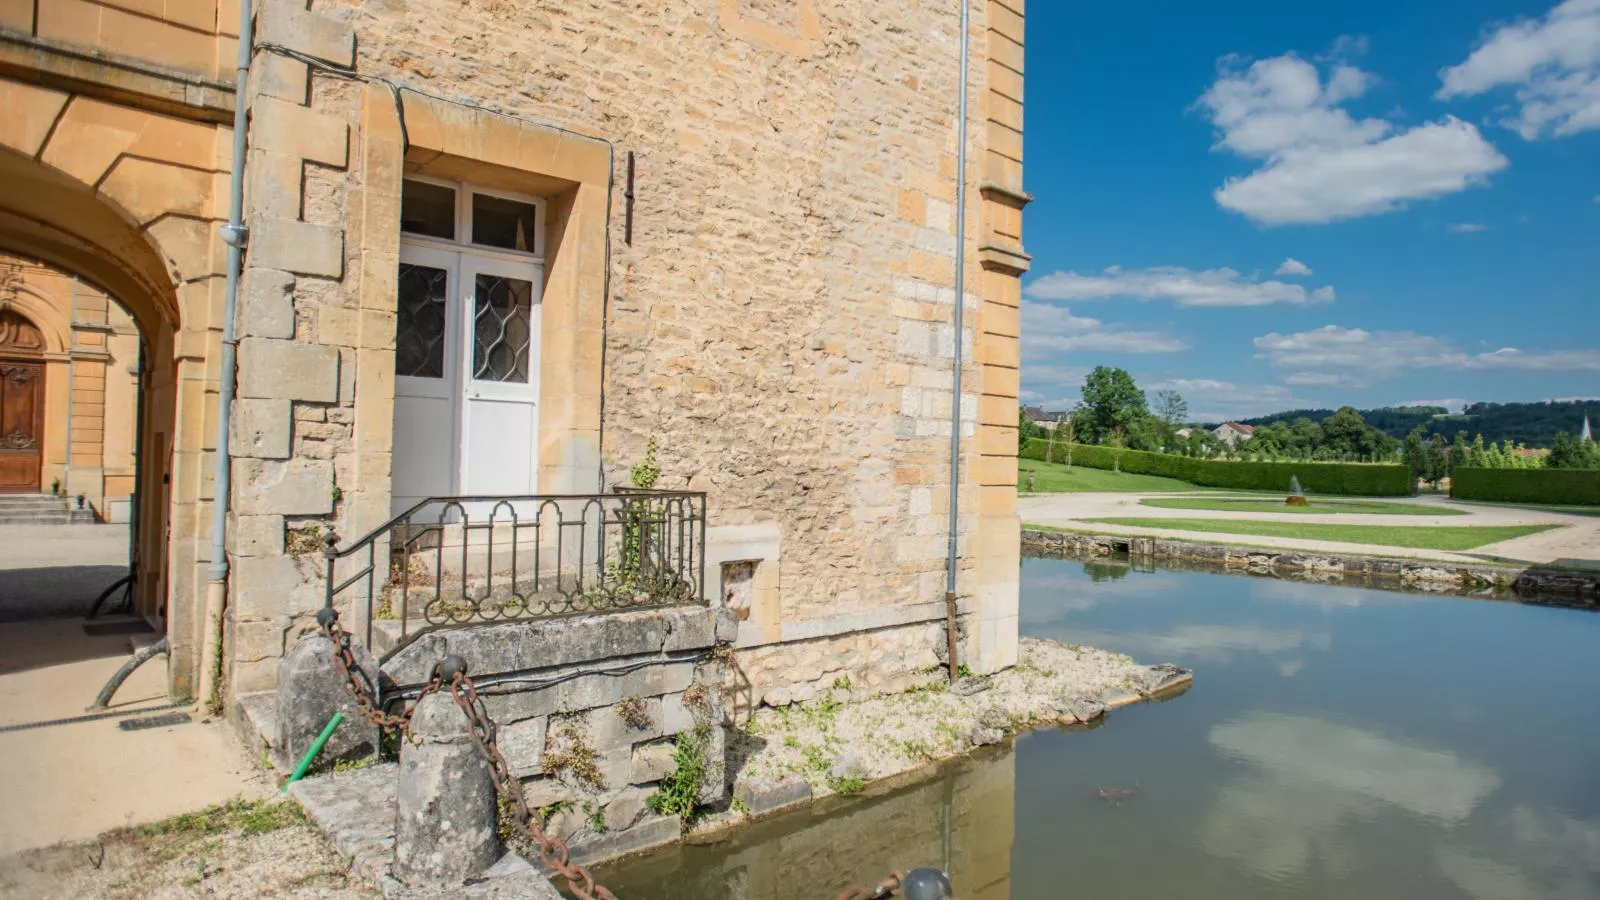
x: 121, y: 199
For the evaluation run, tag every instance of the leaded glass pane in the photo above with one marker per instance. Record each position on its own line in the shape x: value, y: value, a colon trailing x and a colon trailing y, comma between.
x: 497, y: 222
x: 420, y: 322
x: 502, y: 329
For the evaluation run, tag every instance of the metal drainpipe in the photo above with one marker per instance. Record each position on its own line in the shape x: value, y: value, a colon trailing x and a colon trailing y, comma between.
x: 955, y: 379
x: 235, y: 235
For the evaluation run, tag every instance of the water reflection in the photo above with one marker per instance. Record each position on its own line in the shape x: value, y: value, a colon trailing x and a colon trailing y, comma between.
x: 1338, y: 742
x: 959, y: 818
x: 1308, y: 752
x: 1312, y: 781
x: 1554, y: 857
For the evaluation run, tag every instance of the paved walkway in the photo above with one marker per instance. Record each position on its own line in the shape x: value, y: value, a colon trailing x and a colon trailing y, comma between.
x: 58, y: 570
x: 62, y: 781
x: 1576, y: 543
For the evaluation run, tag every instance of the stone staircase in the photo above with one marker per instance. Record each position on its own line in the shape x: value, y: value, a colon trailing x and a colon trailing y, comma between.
x: 40, y: 509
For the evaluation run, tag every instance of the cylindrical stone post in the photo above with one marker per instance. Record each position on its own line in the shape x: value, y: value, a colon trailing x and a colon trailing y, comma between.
x: 446, y: 818
x: 310, y: 690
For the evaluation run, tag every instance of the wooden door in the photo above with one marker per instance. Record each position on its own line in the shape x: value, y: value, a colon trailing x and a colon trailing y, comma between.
x: 21, y: 404
x: 21, y: 424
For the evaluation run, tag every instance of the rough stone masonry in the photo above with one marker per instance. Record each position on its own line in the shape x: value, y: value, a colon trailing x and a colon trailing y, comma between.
x: 781, y: 321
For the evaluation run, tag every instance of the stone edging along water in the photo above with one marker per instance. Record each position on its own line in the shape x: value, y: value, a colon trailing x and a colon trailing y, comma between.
x: 1528, y: 584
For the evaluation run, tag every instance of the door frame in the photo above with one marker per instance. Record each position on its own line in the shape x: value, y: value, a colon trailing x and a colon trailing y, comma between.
x: 462, y: 260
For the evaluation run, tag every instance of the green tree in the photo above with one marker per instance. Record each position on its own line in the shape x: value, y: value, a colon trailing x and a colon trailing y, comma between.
x: 1173, y: 411
x: 1117, y: 440
x: 1345, y: 432
x: 1415, y: 454
x: 1567, y: 452
x: 1437, y: 462
x: 1111, y: 399
x: 1460, y: 453
x: 1027, y: 430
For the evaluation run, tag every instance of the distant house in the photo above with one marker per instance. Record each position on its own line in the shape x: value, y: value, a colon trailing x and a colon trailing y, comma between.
x: 1184, y: 432
x: 1231, y: 433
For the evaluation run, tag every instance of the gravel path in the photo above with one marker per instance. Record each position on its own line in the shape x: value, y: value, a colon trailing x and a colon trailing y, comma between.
x: 1577, y: 543
x: 238, y: 850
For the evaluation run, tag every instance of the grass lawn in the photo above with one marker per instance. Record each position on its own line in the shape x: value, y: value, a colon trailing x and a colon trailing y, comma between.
x: 1454, y: 537
x: 1055, y: 478
x: 1542, y: 507
x: 1319, y: 506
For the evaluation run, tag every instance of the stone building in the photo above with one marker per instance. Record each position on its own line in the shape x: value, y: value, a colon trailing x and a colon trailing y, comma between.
x: 70, y: 361
x: 495, y: 248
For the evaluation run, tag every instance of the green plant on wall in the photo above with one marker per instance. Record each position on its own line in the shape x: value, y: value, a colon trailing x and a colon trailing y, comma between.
x: 635, y: 576
x: 678, y: 794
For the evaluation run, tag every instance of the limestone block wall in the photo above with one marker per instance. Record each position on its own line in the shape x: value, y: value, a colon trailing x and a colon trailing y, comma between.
x: 781, y: 322
x: 589, y: 710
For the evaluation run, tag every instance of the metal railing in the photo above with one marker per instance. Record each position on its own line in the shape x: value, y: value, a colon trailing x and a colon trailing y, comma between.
x: 455, y: 560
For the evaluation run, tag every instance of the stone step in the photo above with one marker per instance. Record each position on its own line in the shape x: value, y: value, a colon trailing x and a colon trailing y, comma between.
x: 31, y: 501
x: 57, y: 517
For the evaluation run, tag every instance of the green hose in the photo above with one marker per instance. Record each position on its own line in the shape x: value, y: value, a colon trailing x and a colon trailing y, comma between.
x: 316, y: 747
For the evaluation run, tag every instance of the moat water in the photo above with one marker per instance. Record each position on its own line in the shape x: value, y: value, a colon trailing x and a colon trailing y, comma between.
x: 1337, y: 742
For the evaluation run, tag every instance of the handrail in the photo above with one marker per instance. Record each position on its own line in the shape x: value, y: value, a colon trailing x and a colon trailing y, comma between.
x: 627, y: 548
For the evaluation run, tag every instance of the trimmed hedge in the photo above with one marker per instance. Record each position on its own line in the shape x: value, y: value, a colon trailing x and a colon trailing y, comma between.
x: 1353, y: 479
x: 1578, y: 487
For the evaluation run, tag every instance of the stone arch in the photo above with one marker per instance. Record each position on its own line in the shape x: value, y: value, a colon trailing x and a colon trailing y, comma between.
x: 123, y: 198
x: 41, y: 311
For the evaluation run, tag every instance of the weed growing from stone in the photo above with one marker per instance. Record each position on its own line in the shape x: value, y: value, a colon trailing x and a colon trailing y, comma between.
x: 816, y: 758
x: 678, y: 794
x: 597, y: 817
x: 634, y: 713
x: 576, y: 758
x: 846, y: 784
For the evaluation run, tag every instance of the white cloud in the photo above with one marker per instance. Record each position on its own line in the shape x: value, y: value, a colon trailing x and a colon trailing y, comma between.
x: 1322, y: 379
x: 1510, y: 358
x: 1553, y: 64
x: 1185, y: 287
x: 1453, y: 404
x: 1048, y: 329
x: 1467, y: 228
x: 1318, y: 163
x: 1294, y: 267
x: 1211, y: 400
x: 1358, y: 357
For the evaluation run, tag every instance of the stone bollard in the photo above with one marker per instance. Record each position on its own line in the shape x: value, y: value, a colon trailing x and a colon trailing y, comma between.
x: 446, y: 816
x: 310, y: 691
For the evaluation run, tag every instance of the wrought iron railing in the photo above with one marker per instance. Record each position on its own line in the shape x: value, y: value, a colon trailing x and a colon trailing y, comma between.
x: 455, y: 560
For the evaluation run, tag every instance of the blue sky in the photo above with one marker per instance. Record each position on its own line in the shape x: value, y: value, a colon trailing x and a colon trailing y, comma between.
x: 1268, y: 205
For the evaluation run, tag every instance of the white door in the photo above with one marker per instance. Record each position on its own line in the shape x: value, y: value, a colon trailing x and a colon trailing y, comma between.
x: 499, y: 412
x: 427, y: 362
x: 466, y: 344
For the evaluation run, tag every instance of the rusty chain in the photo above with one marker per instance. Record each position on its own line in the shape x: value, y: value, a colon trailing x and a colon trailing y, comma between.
x: 345, y: 661
x: 888, y: 887
x: 451, y: 675
x: 553, y: 851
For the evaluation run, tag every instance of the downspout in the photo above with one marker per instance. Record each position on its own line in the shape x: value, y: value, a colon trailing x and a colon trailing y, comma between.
x: 955, y: 378
x: 235, y: 235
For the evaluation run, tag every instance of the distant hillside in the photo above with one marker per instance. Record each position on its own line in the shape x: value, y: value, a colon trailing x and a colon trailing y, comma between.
x: 1534, y: 424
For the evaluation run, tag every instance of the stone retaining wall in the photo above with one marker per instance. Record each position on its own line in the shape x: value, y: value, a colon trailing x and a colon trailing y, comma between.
x: 589, y: 709
x: 1528, y: 584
